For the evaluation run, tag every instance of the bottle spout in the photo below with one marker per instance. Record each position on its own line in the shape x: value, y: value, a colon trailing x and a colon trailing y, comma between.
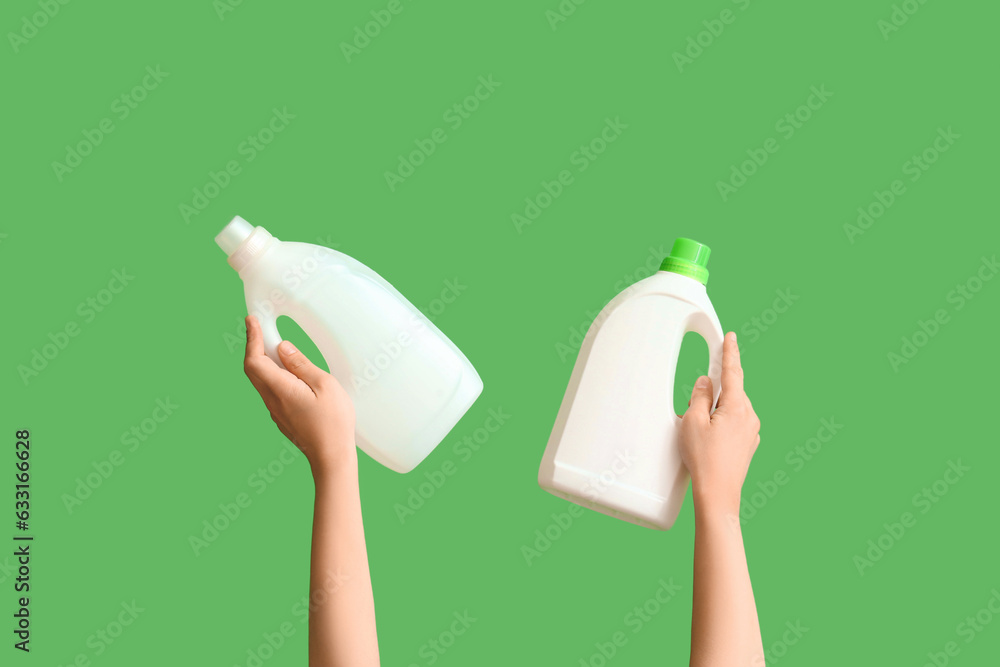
x: 688, y: 258
x: 233, y: 234
x: 241, y: 241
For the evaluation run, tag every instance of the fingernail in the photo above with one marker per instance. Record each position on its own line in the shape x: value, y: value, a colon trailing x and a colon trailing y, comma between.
x: 701, y: 382
x: 286, y: 347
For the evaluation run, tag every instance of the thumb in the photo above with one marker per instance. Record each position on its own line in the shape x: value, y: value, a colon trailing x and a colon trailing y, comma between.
x: 300, y: 366
x: 701, y: 397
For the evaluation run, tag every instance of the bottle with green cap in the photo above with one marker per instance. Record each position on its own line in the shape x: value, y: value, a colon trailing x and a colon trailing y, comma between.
x: 614, y: 445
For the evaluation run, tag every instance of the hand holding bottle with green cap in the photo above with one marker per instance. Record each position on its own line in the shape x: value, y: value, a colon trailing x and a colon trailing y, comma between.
x: 614, y: 445
x: 716, y: 448
x: 618, y: 448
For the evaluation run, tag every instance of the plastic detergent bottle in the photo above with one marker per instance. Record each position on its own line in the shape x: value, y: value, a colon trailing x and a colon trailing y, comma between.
x: 614, y: 446
x: 409, y: 384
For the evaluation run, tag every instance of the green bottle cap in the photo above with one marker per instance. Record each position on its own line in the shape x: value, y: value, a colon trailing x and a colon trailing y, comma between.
x: 688, y: 258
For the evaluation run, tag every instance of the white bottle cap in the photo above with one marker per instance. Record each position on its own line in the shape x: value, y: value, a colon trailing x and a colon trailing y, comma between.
x: 235, y: 233
x: 242, y: 242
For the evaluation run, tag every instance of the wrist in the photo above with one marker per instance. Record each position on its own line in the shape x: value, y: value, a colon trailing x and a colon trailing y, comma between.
x: 335, y: 464
x: 712, y: 501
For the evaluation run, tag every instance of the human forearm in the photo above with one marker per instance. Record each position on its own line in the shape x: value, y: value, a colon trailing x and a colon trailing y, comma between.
x: 716, y: 447
x: 725, y: 631
x: 342, y: 609
x: 315, y: 412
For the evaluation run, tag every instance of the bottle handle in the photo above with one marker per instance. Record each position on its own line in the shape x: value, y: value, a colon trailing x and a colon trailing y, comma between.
x: 304, y: 317
x: 708, y: 327
x: 269, y: 328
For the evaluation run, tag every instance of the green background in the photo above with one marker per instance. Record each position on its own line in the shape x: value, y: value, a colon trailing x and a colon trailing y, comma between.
x: 170, y: 333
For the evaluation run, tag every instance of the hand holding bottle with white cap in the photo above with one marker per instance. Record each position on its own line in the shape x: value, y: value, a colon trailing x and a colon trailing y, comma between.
x: 314, y: 411
x: 408, y: 382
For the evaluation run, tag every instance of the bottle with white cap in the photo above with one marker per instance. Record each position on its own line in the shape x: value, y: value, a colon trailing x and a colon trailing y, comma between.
x: 409, y: 384
x: 614, y: 445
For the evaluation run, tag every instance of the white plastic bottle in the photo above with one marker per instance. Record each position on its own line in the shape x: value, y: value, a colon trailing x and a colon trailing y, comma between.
x: 614, y: 445
x: 409, y: 384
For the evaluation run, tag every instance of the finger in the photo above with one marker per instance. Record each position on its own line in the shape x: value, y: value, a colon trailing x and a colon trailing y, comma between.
x: 732, y: 372
x: 255, y: 338
x: 701, y: 398
x: 301, y: 367
x: 259, y: 367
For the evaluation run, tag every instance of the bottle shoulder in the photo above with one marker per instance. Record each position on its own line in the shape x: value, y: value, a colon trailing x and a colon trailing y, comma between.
x: 286, y: 258
x: 306, y: 274
x: 662, y: 288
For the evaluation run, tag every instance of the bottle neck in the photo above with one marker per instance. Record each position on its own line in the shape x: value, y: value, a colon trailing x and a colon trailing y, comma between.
x: 255, y: 245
